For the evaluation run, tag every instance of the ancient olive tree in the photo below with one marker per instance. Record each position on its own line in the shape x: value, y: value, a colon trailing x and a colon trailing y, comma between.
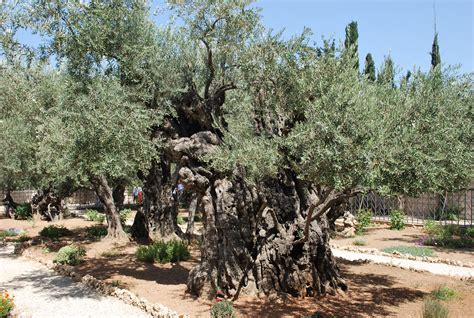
x: 275, y: 136
x: 96, y: 134
x: 99, y: 132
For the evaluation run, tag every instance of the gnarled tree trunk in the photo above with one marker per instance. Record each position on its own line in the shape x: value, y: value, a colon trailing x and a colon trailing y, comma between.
x: 158, y: 218
x: 104, y: 192
x: 254, y: 243
x: 47, y: 205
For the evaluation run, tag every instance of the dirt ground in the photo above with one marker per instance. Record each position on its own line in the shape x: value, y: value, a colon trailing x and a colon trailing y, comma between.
x: 381, y: 236
x: 374, y: 290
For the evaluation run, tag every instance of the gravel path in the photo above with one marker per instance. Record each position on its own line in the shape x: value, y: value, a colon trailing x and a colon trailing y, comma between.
x: 39, y: 292
x: 435, y: 268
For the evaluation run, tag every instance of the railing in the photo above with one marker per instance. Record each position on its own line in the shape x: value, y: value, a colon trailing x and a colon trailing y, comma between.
x: 447, y: 208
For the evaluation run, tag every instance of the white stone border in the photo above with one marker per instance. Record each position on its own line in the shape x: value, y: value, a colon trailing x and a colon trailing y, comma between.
x: 155, y: 310
x: 374, y: 251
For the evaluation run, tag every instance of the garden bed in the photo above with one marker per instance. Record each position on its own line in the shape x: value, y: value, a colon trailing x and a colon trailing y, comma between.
x: 374, y: 290
x: 381, y: 237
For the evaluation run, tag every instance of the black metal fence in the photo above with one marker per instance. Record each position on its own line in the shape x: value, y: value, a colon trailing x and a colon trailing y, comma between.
x: 447, y: 208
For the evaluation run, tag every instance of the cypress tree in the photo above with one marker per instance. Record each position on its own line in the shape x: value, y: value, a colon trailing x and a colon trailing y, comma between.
x: 369, y: 69
x: 435, y: 56
x: 352, y: 41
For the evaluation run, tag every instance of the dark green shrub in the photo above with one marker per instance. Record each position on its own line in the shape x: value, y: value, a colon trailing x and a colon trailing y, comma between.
x: 469, y: 232
x: 433, y: 308
x: 96, y: 231
x: 23, y: 211
x: 223, y: 309
x: 94, y: 216
x: 172, y: 251
x: 70, y: 255
x: 55, y: 232
x: 364, y: 220
x: 397, y: 219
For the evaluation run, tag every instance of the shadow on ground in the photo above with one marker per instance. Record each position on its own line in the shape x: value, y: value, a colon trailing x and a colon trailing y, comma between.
x: 56, y: 287
x: 368, y: 295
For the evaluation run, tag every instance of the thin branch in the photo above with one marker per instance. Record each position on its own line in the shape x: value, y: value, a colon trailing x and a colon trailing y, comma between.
x: 210, y: 65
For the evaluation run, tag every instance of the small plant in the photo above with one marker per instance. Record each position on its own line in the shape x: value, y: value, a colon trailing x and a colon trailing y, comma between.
x: 410, y: 250
x: 172, y: 251
x: 116, y: 283
x: 96, y: 231
x: 70, y: 255
x: 444, y: 293
x: 364, y: 220
x: 359, y: 243
x: 55, y: 232
x: 124, y: 215
x: 94, y: 216
x: 397, y: 219
x: 45, y: 250
x: 223, y: 309
x: 6, y: 304
x: 22, y: 237
x: 180, y: 220
x: 23, y: 211
x: 9, y: 232
x: 433, y: 308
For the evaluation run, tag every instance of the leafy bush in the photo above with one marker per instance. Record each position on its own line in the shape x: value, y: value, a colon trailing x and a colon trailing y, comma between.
x: 180, y: 220
x: 124, y: 215
x: 448, y: 235
x: 359, y: 243
x: 397, y: 219
x: 94, y: 216
x: 469, y: 232
x: 55, y: 232
x: 411, y: 250
x: 96, y: 231
x: 6, y: 304
x: 70, y: 255
x: 364, y: 220
x: 432, y: 228
x: 172, y: 251
x: 444, y: 293
x: 223, y: 309
x: 23, y: 211
x: 433, y: 308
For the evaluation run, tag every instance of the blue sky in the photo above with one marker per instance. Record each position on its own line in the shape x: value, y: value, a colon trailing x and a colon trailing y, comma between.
x: 404, y: 28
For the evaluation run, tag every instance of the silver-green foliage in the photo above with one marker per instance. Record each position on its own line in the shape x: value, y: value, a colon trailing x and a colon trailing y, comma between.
x: 70, y: 255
